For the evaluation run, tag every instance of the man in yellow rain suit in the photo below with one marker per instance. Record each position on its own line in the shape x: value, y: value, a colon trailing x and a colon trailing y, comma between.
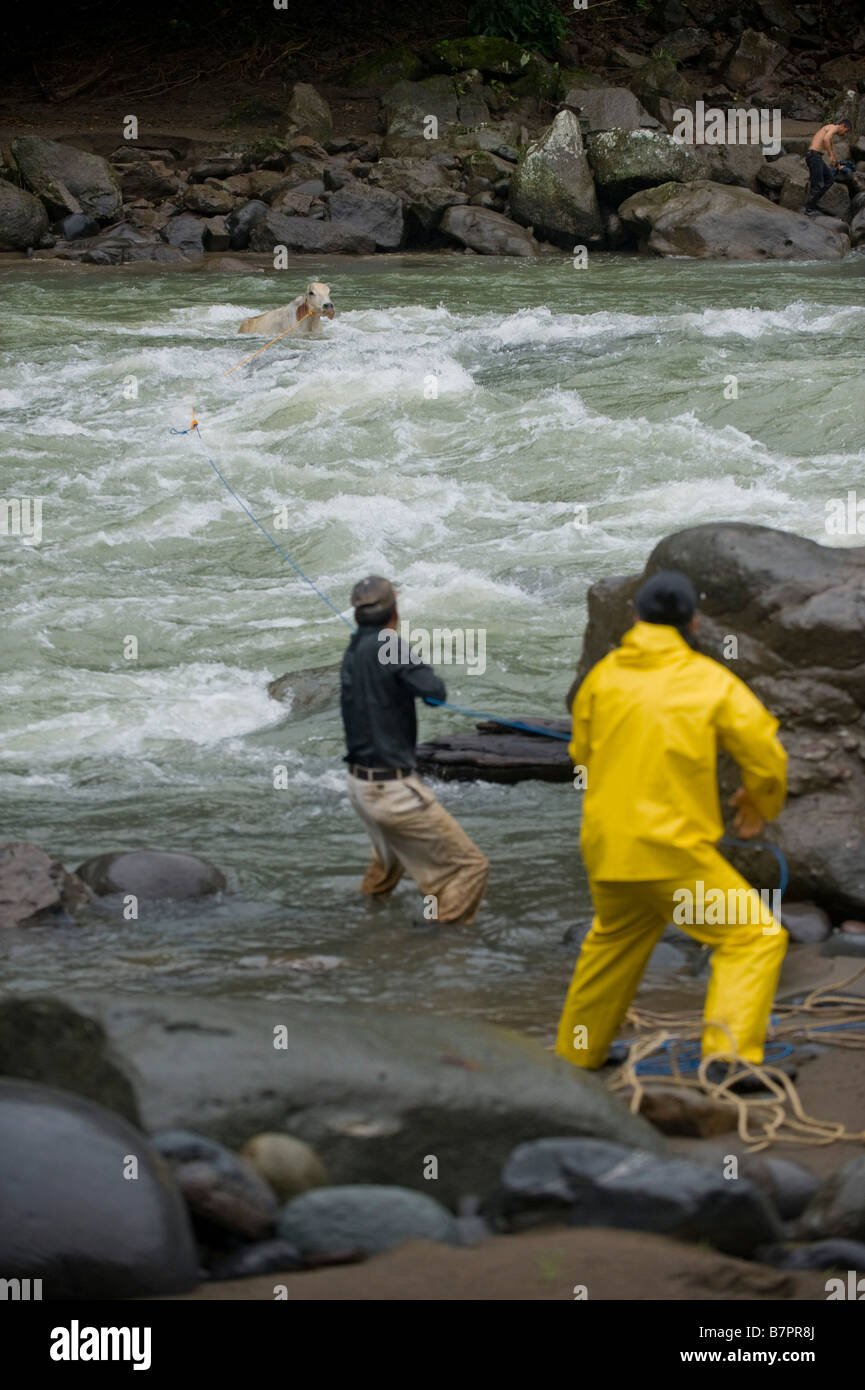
x: 647, y: 723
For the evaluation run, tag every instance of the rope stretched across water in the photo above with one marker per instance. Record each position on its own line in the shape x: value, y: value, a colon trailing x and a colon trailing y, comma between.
x: 492, y: 718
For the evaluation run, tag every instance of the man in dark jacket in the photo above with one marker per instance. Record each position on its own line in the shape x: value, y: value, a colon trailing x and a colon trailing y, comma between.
x: 409, y: 830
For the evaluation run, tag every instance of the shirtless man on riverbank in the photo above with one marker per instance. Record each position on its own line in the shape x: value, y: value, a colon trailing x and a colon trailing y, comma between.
x: 819, y: 151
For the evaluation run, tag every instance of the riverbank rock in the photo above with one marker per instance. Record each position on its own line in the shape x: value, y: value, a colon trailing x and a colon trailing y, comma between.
x: 34, y: 886
x: 609, y: 108
x: 44, y: 1040
x: 624, y: 161
x: 367, y: 1218
x: 824, y: 1254
x: 838, y: 1209
x: 371, y: 1090
x: 303, y: 234
x: 552, y: 189
x: 23, y: 219
x: 715, y: 221
x: 152, y: 873
x: 753, y: 58
x: 88, y: 1206
x: 373, y: 212
x: 488, y: 232
x: 224, y: 1193
x: 426, y: 190
x: 407, y: 108
x: 588, y: 1183
x: 806, y: 922
x: 309, y: 113
x: 66, y: 179
x: 795, y: 609
x: 286, y: 1164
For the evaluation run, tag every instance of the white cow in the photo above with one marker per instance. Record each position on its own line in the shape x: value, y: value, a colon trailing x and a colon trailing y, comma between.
x: 306, y: 311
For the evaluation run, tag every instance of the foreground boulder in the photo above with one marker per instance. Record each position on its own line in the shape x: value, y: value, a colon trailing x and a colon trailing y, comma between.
x: 795, y: 609
x: 44, y: 1040
x: 488, y: 232
x: 373, y: 1091
x: 838, y: 1209
x: 305, y: 234
x: 66, y: 179
x: 587, y: 1183
x: 23, y: 219
x: 715, y: 221
x: 35, y: 887
x: 552, y: 189
x: 625, y: 161
x: 88, y: 1206
x: 373, y: 212
x: 152, y: 873
x: 365, y: 1218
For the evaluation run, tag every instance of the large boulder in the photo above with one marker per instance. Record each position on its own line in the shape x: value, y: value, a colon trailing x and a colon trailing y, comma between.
x: 366, y: 1218
x: 152, y: 873
x: 661, y: 87
x: 148, y: 178
x: 309, y: 113
x: 88, y: 1205
x: 371, y: 211
x: 34, y: 886
x: 240, y: 223
x: 406, y: 107
x: 624, y: 161
x: 426, y: 189
x: 715, y: 221
x: 186, y: 234
x: 609, y: 108
x: 302, y: 234
x: 838, y: 1208
x: 552, y: 189
x: 44, y: 1040
x: 373, y: 1091
x: 23, y: 219
x: 56, y: 173
x: 737, y: 164
x: 752, y: 59
x: 587, y: 1183
x: 795, y: 608
x: 488, y: 232
x: 383, y: 69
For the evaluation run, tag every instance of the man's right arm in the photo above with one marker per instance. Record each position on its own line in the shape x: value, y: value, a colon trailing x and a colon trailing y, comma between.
x: 748, y: 732
x: 422, y: 681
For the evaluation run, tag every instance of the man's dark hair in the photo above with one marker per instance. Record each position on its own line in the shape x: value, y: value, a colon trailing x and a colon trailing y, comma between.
x: 373, y: 615
x: 668, y: 599
x: 844, y: 121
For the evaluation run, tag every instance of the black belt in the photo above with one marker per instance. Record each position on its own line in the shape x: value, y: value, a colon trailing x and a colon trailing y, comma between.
x: 380, y: 774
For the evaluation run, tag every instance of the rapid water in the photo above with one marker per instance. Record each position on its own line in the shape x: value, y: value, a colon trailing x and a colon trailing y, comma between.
x: 556, y: 389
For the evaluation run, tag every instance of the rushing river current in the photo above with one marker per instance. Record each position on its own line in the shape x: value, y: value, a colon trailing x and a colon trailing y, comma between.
x: 446, y: 432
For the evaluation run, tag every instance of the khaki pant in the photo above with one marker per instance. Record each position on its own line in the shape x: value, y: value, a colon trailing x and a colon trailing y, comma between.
x: 746, y: 962
x: 411, y: 833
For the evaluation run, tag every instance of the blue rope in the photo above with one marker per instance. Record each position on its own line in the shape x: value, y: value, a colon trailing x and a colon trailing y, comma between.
x: 783, y: 870
x: 493, y: 719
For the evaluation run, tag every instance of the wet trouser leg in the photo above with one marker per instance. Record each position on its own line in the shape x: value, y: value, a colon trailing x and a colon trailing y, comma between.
x: 748, y: 947
x: 822, y: 177
x: 412, y: 833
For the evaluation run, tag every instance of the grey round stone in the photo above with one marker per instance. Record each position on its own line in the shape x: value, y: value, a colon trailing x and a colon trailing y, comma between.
x: 150, y: 873
x: 364, y: 1217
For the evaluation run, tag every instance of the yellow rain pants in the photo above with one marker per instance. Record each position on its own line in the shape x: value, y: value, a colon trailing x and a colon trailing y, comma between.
x: 631, y: 916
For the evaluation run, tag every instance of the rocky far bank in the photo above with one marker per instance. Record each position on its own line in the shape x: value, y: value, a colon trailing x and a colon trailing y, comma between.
x: 481, y: 145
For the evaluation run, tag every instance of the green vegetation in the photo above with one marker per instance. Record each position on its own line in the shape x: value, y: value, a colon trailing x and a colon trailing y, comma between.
x: 538, y: 23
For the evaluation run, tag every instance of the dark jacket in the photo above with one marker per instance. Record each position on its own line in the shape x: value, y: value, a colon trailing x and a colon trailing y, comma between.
x: 378, y: 701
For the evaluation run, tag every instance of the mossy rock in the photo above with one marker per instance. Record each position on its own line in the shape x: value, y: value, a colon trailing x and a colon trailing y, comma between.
x: 540, y: 79
x: 398, y: 64
x: 499, y: 57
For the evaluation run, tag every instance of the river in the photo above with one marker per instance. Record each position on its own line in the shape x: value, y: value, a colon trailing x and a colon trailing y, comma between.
x: 447, y: 432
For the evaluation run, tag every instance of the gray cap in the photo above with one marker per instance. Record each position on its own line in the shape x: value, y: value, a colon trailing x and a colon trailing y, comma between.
x: 373, y: 597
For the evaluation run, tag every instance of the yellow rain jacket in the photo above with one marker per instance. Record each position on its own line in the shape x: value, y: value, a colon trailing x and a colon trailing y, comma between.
x: 648, y: 721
